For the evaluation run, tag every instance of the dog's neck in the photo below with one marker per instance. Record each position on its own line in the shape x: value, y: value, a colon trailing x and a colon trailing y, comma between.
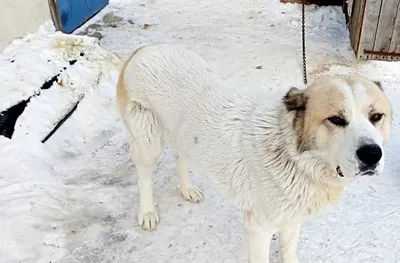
x: 305, y: 180
x: 278, y: 142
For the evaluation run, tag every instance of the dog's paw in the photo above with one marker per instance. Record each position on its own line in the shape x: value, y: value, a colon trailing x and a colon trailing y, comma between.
x: 148, y: 220
x: 194, y: 194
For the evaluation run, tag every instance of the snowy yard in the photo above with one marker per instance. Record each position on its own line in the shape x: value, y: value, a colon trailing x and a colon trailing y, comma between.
x: 75, y: 198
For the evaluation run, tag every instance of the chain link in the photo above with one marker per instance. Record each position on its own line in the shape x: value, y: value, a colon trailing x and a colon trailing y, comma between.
x: 304, y: 42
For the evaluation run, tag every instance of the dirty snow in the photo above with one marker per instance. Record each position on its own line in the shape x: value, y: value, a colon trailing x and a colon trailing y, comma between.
x: 75, y: 198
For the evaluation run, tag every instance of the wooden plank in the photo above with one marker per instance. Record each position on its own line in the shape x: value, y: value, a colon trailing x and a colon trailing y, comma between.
x: 386, y: 56
x: 386, y: 23
x: 396, y: 33
x: 315, y: 2
x: 369, y: 27
x: 356, y: 21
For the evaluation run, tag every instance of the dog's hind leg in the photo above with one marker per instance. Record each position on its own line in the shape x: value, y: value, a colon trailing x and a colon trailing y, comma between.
x: 145, y: 140
x: 188, y: 190
x: 145, y: 162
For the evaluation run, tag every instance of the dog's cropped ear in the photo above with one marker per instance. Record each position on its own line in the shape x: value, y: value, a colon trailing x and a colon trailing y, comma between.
x: 379, y: 84
x: 295, y: 99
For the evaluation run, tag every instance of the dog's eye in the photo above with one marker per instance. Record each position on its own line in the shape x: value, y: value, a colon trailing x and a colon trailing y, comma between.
x: 338, y: 121
x: 374, y: 118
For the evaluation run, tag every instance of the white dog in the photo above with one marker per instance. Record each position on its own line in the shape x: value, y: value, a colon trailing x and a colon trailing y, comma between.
x: 281, y: 159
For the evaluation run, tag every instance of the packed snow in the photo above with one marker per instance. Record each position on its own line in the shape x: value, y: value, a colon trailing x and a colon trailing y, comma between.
x: 75, y: 197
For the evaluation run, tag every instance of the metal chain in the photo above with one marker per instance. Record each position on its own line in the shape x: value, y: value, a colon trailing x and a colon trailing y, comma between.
x: 304, y: 42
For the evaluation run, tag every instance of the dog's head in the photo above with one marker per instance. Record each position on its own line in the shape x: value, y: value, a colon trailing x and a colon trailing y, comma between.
x: 344, y: 119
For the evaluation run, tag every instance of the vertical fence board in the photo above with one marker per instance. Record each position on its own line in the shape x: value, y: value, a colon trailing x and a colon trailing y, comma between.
x: 356, y: 20
x: 396, y: 31
x: 385, y: 28
x: 369, y: 27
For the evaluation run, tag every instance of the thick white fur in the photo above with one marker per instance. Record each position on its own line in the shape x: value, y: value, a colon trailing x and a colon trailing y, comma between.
x: 244, y: 141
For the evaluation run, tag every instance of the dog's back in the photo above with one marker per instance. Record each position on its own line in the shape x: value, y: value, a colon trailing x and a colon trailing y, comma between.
x: 160, y: 75
x: 179, y: 88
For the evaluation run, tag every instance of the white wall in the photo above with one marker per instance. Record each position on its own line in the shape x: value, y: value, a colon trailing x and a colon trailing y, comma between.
x: 18, y: 17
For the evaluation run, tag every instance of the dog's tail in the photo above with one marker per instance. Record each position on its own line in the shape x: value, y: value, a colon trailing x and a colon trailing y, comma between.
x: 122, y: 93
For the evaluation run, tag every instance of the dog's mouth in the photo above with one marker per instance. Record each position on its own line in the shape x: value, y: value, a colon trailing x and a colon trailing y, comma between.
x: 339, y: 171
x: 364, y: 172
x: 369, y: 173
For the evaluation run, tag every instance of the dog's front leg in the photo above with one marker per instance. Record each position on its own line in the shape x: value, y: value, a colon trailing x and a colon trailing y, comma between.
x: 257, y: 240
x: 288, y: 240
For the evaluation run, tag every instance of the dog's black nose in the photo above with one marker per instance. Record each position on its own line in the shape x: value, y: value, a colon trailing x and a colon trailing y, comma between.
x: 369, y: 154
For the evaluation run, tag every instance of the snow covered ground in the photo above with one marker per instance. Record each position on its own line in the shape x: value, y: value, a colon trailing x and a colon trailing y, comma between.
x: 75, y: 198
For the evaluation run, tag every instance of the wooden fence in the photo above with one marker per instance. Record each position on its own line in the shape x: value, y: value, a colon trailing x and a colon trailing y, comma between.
x: 374, y: 27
